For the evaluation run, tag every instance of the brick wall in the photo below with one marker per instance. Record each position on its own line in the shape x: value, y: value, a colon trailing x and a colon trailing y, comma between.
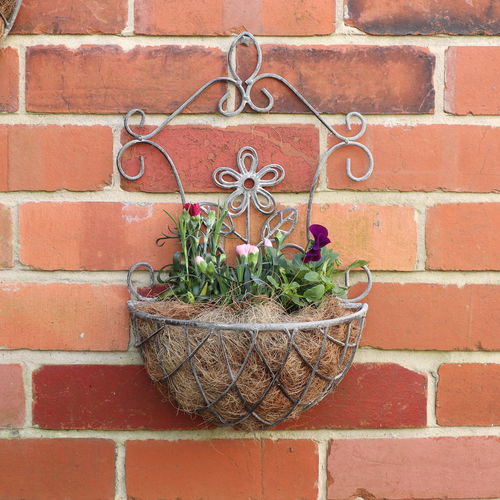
x: 416, y: 415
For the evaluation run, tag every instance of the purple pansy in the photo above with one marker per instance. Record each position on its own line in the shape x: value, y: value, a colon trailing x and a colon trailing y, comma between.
x: 321, y: 239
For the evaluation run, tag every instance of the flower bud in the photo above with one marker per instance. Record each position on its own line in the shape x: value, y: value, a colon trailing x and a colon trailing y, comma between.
x: 245, y: 249
x: 210, y: 268
x: 267, y: 242
x: 201, y: 264
x: 194, y: 209
x: 210, y: 219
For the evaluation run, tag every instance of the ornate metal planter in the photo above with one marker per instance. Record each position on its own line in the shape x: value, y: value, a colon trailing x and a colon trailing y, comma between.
x: 322, y: 350
x: 8, y: 13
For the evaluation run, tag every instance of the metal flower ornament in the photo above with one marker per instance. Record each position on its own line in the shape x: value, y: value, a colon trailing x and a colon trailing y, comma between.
x: 249, y: 183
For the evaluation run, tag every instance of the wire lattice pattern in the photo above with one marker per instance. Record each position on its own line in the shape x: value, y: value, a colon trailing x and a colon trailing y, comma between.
x: 8, y: 13
x: 265, y: 373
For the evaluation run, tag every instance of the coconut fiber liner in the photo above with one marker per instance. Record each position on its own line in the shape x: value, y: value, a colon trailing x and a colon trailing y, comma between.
x: 247, y: 379
x: 6, y: 8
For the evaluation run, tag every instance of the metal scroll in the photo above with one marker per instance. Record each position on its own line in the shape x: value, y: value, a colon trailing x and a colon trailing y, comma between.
x: 248, y: 182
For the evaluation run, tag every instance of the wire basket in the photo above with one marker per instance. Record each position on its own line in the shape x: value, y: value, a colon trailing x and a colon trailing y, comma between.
x: 8, y: 13
x: 246, y: 375
x: 252, y: 376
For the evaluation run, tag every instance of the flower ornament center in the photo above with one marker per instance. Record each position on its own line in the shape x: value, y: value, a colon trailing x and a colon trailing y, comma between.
x: 248, y: 183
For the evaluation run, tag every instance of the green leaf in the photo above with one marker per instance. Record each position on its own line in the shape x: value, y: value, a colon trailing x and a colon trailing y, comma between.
x: 358, y: 263
x: 315, y: 293
x: 273, y: 282
x: 296, y: 300
x: 312, y: 276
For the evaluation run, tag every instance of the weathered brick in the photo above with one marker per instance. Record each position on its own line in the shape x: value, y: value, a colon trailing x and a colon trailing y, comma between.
x: 260, y: 470
x: 107, y: 79
x: 93, y: 235
x: 386, y: 236
x: 9, y: 82
x: 72, y: 17
x: 472, y: 80
x: 86, y: 234
x: 433, y: 317
x: 463, y: 236
x: 102, y: 397
x: 464, y: 467
x: 422, y: 158
x: 12, y: 404
x: 223, y: 17
x: 62, y: 316
x: 5, y: 237
x: 340, y: 79
x: 57, y: 469
x: 468, y: 394
x: 386, y: 395
x: 123, y: 397
x: 198, y: 150
x: 424, y: 17
x: 48, y: 158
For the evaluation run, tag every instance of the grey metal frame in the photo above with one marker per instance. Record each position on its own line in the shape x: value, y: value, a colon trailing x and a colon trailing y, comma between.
x: 239, y: 203
x: 9, y: 22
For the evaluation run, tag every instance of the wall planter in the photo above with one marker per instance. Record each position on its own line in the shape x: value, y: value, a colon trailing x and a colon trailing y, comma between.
x: 248, y: 374
x: 8, y: 13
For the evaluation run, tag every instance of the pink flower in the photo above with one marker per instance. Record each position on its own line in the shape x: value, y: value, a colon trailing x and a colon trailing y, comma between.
x: 267, y: 242
x: 246, y: 249
x: 193, y: 209
x: 201, y: 263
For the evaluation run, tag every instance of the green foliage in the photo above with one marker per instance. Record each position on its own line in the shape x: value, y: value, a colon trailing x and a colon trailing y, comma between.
x: 199, y: 270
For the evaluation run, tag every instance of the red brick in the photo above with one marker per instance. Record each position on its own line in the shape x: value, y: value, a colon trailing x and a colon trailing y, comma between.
x: 5, y: 237
x: 72, y: 17
x: 472, y: 80
x: 338, y: 79
x: 422, y: 158
x: 386, y: 396
x: 223, y: 17
x: 107, y: 79
x: 468, y: 394
x: 61, y: 316
x: 102, y: 397
x: 48, y: 158
x: 57, y: 469
x: 463, y: 237
x: 424, y: 17
x: 433, y: 317
x: 251, y: 469
x: 93, y: 235
x: 198, y: 151
x: 9, y: 82
x: 465, y: 467
x: 113, y: 236
x: 12, y: 405
x: 386, y: 236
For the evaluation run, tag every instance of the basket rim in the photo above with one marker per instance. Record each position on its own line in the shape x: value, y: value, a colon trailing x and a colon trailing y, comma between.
x: 305, y: 325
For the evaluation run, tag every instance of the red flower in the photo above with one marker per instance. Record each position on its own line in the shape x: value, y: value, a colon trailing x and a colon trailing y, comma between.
x: 193, y: 209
